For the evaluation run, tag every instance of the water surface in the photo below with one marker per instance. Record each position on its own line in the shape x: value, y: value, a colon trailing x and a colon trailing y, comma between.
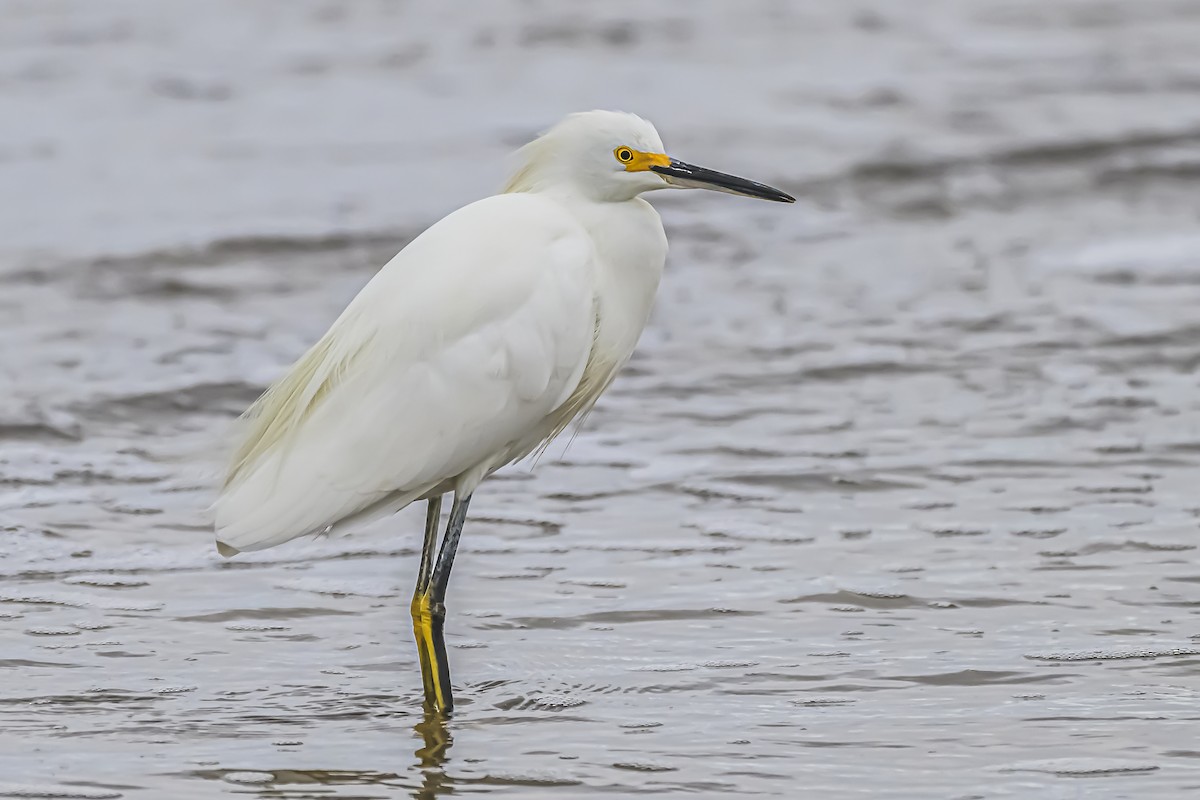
x: 897, y: 499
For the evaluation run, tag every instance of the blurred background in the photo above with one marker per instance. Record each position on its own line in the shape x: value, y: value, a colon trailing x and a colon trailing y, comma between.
x: 898, y: 497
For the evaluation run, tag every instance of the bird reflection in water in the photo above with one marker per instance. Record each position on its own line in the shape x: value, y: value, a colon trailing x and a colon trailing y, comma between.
x: 434, y: 732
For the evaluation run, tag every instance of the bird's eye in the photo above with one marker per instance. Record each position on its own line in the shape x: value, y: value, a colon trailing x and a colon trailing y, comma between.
x: 624, y: 154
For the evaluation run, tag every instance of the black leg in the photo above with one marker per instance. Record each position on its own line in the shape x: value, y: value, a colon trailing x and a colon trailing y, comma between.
x: 433, y: 513
x: 429, y: 603
x: 445, y: 560
x: 427, y: 627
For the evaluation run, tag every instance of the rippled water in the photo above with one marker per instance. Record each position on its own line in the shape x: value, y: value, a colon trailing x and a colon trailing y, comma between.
x: 899, y: 497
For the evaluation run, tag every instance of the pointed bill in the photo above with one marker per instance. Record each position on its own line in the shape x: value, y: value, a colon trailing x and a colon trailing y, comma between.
x: 680, y: 173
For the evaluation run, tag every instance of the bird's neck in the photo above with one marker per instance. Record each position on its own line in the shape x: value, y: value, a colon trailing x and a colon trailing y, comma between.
x: 631, y: 250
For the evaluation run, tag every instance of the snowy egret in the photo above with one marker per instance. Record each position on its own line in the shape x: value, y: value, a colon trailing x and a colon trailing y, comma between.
x: 473, y: 347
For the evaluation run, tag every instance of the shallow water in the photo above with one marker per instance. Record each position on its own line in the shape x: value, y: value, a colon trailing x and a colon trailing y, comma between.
x: 897, y: 499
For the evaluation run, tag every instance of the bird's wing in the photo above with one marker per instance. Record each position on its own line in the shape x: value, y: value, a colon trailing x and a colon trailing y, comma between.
x: 460, y: 346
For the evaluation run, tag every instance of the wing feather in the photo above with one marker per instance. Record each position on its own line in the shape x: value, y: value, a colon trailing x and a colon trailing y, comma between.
x: 459, y: 348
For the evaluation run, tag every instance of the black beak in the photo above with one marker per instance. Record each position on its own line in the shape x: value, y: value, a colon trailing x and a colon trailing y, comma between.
x: 679, y: 173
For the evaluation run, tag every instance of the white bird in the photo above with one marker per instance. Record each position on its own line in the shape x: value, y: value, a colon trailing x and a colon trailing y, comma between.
x: 473, y: 347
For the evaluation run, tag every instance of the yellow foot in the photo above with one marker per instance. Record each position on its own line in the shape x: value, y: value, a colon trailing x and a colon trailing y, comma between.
x: 431, y: 648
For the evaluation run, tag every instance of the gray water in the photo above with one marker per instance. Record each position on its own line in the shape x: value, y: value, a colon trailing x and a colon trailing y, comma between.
x: 897, y: 499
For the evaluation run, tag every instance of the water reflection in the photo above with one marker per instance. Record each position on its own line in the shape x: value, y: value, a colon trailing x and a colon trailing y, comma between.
x: 434, y: 732
x: 916, y: 472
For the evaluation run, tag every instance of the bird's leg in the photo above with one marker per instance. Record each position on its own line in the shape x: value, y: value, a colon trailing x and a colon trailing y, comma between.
x: 445, y: 560
x: 429, y: 602
x: 426, y: 630
x: 433, y: 514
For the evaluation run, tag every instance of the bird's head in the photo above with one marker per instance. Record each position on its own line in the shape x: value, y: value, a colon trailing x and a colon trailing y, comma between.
x: 611, y: 156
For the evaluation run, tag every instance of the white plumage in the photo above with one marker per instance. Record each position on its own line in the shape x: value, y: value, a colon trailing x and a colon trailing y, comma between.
x: 473, y: 346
